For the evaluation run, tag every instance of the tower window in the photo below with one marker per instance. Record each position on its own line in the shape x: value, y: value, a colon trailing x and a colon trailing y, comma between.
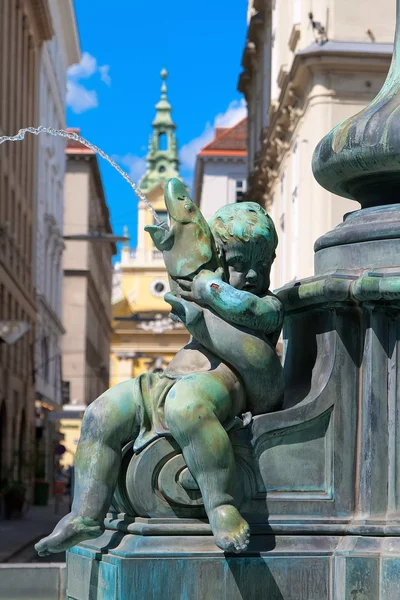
x: 240, y: 189
x: 162, y: 142
x: 162, y: 169
x: 159, y: 287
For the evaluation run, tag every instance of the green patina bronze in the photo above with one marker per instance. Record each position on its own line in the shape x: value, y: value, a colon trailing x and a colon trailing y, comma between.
x: 220, y: 276
x: 359, y: 159
x: 188, y: 246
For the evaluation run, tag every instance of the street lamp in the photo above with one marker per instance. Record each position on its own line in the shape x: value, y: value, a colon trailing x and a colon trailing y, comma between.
x: 12, y: 331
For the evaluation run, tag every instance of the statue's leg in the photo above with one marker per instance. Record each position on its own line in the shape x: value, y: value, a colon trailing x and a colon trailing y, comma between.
x: 108, y: 422
x: 194, y: 410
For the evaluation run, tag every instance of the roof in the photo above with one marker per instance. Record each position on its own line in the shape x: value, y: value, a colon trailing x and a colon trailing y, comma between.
x: 228, y: 141
x: 75, y: 147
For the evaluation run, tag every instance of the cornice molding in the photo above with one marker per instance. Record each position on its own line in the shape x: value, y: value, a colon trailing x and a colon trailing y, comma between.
x: 372, y: 290
x: 260, y: 16
x: 225, y: 158
x: 40, y: 14
x: 70, y: 31
x: 263, y: 6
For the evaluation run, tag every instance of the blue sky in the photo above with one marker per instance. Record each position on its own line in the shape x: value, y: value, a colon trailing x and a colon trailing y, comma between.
x: 113, y: 91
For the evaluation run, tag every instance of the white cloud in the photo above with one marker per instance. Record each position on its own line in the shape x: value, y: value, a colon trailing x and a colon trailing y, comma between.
x: 235, y: 112
x: 85, y: 68
x: 105, y: 74
x: 136, y: 165
x: 190, y: 150
x: 79, y: 97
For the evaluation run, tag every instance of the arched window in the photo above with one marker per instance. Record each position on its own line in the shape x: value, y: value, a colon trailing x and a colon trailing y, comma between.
x: 162, y: 142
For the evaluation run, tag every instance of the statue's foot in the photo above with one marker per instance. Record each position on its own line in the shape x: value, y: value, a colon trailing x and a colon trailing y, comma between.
x: 71, y: 530
x: 231, y: 532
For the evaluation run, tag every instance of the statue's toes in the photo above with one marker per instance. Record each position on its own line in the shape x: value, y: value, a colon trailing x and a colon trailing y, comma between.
x: 42, y: 548
x: 242, y: 540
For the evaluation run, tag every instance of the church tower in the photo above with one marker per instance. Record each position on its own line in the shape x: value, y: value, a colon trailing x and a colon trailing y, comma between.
x: 144, y: 337
x: 162, y: 157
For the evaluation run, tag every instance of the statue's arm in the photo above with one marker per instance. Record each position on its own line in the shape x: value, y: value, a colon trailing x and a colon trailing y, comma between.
x: 238, y: 306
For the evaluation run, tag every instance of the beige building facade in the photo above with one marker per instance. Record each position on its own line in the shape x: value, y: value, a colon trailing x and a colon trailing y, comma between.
x: 87, y: 283
x: 307, y: 65
x: 24, y: 26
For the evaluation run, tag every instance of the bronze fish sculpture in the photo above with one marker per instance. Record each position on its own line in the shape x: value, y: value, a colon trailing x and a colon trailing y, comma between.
x: 187, y: 245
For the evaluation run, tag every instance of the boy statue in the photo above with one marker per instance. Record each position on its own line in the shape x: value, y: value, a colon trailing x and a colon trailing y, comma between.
x: 229, y: 367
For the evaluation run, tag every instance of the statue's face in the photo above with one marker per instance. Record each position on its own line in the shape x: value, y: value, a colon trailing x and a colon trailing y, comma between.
x: 249, y: 264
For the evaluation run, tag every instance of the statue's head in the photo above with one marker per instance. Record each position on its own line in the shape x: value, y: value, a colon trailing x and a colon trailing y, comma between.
x: 246, y: 240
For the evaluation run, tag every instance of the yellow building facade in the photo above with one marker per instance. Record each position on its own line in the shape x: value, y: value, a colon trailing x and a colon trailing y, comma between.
x: 144, y: 337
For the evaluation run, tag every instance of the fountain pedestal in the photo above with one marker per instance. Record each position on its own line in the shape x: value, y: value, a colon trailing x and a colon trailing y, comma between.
x: 318, y: 481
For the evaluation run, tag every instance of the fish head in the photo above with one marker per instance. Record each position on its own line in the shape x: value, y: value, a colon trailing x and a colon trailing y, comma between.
x: 180, y: 207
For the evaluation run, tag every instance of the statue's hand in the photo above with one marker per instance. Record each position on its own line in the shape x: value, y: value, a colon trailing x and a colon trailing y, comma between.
x: 198, y: 290
x: 187, y: 312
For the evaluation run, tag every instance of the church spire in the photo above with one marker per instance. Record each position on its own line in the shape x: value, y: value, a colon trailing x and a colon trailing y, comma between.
x: 162, y: 157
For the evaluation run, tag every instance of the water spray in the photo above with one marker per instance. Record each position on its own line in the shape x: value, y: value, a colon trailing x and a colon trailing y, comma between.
x: 74, y: 136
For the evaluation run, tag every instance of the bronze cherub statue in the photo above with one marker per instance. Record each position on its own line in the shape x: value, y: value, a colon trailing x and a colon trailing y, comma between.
x: 220, y: 277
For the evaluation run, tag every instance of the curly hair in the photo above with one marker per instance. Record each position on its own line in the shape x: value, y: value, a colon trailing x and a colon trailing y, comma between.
x: 243, y: 222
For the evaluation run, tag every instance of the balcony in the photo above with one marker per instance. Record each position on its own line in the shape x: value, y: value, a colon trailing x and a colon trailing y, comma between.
x: 141, y: 257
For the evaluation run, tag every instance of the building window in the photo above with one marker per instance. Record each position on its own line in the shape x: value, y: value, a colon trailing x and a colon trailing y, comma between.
x: 162, y: 142
x: 240, y: 190
x: 162, y: 169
